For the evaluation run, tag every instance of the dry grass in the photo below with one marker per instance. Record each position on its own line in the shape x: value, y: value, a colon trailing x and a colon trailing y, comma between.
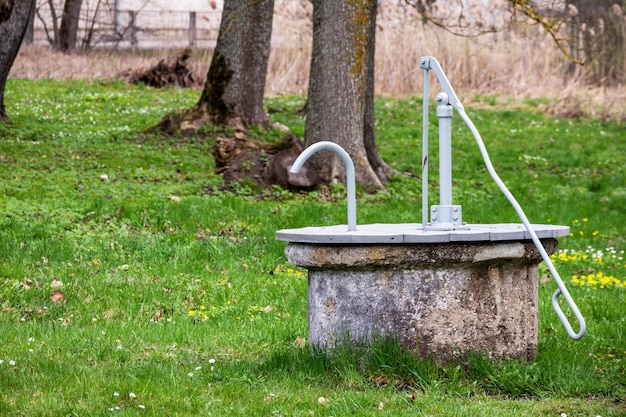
x: 516, y: 65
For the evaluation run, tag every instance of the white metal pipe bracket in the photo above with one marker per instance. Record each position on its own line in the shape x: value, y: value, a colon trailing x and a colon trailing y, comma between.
x: 350, y: 181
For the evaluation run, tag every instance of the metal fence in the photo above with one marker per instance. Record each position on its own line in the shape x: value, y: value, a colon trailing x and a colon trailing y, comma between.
x: 104, y: 25
x: 163, y: 29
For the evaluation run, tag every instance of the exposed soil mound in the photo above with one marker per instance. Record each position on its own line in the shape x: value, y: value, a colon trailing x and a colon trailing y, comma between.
x: 241, y: 157
x: 178, y: 73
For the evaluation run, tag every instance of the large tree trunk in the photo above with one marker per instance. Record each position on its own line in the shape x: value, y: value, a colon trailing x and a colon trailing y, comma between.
x: 340, y: 105
x: 233, y: 96
x: 235, y: 85
x: 69, y: 25
x: 14, y: 18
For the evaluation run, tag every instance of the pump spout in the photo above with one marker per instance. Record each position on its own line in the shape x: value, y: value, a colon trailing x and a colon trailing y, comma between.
x: 350, y: 186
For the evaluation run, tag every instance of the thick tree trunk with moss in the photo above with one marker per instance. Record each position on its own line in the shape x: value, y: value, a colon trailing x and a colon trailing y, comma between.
x: 14, y: 18
x: 233, y: 96
x: 235, y: 86
x: 340, y: 100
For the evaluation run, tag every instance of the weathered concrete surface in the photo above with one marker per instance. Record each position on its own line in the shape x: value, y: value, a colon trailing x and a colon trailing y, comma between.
x: 436, y: 299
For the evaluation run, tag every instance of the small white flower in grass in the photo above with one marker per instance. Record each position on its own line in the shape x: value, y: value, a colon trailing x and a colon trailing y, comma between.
x: 12, y: 362
x: 116, y: 394
x: 211, y: 361
x: 190, y: 374
x: 198, y: 368
x: 322, y: 400
x: 131, y: 395
x: 563, y: 415
x: 1, y: 361
x: 143, y: 407
x: 31, y: 339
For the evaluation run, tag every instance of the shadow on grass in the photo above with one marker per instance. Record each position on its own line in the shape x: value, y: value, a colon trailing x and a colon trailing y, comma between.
x: 384, y: 363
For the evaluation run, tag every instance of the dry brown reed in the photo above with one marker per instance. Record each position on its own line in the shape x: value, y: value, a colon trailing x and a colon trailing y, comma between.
x: 516, y: 64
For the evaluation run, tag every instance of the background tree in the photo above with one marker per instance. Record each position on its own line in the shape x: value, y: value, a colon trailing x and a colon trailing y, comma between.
x: 69, y: 25
x: 340, y: 96
x: 235, y: 85
x: 14, y: 18
x: 62, y: 32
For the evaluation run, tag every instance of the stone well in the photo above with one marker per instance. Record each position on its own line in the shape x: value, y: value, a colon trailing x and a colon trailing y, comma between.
x: 438, y: 293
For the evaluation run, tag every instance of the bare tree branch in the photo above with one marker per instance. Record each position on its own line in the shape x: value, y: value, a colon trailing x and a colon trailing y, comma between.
x: 551, y: 25
x: 458, y: 21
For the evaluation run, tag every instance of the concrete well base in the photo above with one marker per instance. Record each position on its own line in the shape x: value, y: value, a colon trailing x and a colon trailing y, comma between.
x: 439, y: 299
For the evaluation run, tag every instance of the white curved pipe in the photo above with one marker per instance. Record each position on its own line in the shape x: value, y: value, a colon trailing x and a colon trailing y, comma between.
x: 544, y: 255
x: 347, y: 161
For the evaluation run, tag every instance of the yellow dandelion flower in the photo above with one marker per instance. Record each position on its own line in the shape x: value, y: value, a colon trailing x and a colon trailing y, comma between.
x: 192, y: 312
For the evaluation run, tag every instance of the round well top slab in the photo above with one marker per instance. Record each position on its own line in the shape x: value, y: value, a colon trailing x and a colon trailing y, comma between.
x: 414, y: 233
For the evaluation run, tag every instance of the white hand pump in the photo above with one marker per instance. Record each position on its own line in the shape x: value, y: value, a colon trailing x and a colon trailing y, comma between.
x: 430, y: 63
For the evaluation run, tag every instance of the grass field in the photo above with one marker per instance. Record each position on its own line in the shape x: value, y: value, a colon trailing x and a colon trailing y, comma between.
x: 131, y: 285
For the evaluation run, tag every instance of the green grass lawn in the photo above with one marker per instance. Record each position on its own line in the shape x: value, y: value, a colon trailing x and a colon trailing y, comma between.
x: 131, y: 285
